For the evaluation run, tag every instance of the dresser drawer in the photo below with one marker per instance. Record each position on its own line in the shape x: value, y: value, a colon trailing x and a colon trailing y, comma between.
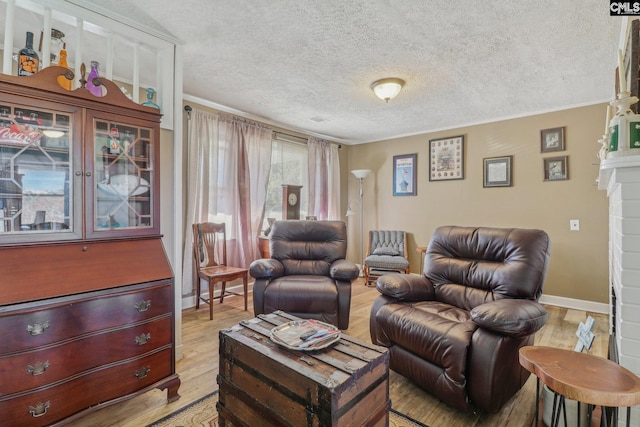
x: 51, y: 404
x: 61, y: 319
x: 31, y: 273
x: 36, y: 368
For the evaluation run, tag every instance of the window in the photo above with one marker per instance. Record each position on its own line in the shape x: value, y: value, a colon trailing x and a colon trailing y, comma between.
x: 289, y: 165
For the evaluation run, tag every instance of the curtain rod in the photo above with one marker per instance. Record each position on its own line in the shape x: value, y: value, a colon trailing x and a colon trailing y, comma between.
x: 276, y: 133
x: 188, y: 109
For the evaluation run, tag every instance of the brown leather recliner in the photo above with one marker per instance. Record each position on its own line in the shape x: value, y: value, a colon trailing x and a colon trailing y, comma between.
x: 307, y: 275
x: 456, y: 329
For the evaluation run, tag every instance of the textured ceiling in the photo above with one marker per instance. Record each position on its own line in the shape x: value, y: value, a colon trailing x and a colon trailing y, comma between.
x: 307, y: 65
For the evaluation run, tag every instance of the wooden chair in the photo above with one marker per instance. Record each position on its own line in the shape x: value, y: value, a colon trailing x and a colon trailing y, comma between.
x: 210, y: 263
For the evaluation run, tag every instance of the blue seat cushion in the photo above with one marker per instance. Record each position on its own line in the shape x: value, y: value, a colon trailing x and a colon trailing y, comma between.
x: 387, y: 262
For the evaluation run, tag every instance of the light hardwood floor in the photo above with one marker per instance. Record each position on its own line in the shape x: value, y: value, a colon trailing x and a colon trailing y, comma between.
x: 199, y: 367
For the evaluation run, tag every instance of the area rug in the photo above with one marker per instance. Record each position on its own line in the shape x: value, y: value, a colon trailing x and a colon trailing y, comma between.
x: 202, y: 413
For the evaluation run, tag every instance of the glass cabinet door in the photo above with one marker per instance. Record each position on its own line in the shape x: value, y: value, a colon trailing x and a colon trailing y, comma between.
x: 124, y: 177
x: 36, y: 184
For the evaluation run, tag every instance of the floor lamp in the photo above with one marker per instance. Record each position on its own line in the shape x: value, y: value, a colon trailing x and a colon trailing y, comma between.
x: 361, y: 174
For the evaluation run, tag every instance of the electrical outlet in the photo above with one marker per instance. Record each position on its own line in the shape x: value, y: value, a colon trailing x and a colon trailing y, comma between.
x: 574, y: 224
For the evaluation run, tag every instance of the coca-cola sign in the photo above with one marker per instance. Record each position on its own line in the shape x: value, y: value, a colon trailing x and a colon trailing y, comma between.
x: 17, y: 134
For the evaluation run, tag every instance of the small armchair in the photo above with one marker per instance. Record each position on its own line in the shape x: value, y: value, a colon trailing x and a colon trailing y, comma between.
x: 456, y: 329
x: 386, y: 253
x: 307, y: 275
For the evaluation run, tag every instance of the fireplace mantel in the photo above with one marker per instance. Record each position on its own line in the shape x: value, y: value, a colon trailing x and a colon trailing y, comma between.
x: 620, y: 177
x: 609, y: 166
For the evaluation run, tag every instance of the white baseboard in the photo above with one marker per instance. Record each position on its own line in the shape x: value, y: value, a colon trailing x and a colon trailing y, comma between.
x: 576, y: 304
x: 189, y: 301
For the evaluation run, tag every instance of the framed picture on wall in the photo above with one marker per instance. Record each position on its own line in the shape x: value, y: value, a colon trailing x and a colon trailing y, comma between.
x: 404, y: 175
x: 552, y: 140
x: 446, y: 158
x: 497, y: 172
x: 556, y: 168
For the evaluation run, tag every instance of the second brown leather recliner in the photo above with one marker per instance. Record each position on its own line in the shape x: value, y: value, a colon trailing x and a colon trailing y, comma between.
x: 307, y: 275
x: 456, y: 329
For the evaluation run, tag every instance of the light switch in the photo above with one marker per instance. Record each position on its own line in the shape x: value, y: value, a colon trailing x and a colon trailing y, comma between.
x: 574, y: 224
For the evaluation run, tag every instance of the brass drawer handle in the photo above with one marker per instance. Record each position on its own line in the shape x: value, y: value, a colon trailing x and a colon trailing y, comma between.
x: 143, y: 339
x: 37, y: 328
x: 143, y: 372
x: 38, y: 369
x: 40, y: 409
x: 143, y: 305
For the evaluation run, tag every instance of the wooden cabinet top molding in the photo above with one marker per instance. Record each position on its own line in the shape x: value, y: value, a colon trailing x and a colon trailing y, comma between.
x: 44, y: 86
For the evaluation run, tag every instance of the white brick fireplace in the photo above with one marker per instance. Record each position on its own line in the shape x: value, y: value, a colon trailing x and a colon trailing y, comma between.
x: 620, y: 176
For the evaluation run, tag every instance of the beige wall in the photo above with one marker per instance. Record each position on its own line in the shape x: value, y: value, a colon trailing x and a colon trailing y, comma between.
x: 579, y: 259
x: 579, y: 266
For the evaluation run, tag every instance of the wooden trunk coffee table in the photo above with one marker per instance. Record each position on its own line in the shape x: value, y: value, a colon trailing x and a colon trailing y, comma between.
x: 262, y: 383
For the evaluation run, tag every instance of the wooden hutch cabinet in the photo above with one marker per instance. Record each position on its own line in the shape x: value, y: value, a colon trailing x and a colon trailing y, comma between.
x: 86, y: 290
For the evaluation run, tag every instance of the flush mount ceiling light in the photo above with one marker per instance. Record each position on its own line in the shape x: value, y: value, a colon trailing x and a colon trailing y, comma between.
x: 387, y: 89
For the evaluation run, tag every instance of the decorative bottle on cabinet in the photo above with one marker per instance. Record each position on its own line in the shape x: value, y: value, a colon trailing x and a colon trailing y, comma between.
x: 96, y: 90
x: 28, y: 60
x: 63, y: 81
x: 149, y: 102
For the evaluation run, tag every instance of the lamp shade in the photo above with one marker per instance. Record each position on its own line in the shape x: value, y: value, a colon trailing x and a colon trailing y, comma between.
x: 52, y: 133
x: 387, y: 89
x: 361, y: 173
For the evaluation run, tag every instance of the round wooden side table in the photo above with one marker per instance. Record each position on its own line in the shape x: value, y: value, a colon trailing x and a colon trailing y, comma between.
x: 582, y: 377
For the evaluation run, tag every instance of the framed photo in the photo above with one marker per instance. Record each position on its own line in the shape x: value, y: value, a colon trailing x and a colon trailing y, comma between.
x: 497, y: 172
x: 404, y: 175
x: 556, y: 168
x: 446, y: 158
x: 552, y: 140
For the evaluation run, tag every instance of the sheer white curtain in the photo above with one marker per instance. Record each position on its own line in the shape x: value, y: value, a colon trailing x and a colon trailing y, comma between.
x: 324, y: 179
x: 244, y: 175
x: 202, y: 171
x: 228, y: 168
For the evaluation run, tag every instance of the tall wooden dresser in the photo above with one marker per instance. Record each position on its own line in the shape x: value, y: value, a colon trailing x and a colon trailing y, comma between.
x: 86, y: 289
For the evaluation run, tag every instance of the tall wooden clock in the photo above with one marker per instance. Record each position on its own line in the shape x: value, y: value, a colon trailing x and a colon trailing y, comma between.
x: 291, y: 201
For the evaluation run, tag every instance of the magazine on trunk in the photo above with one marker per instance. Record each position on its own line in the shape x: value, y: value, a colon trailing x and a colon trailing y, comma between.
x: 305, y: 334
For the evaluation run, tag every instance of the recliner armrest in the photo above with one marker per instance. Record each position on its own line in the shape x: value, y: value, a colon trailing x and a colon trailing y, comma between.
x: 343, y: 270
x: 266, y: 268
x: 512, y: 317
x: 406, y: 287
